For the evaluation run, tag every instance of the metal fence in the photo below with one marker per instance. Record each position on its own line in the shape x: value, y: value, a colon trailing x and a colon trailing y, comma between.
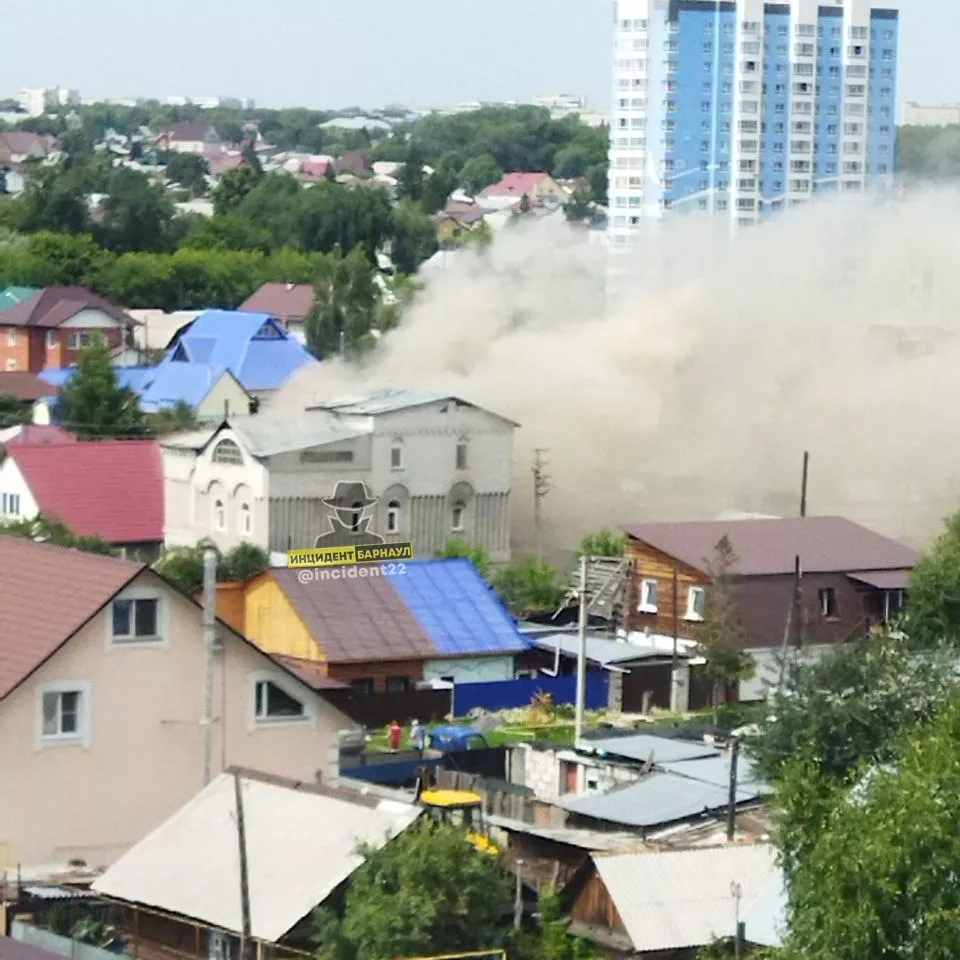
x: 506, y: 694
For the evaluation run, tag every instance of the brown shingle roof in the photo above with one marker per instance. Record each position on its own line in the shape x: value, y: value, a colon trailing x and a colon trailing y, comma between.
x: 47, y: 593
x: 283, y: 300
x: 55, y: 305
x: 25, y: 385
x: 356, y: 620
x: 769, y: 546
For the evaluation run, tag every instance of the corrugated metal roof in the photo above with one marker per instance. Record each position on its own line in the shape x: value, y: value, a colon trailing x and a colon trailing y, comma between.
x: 884, y: 579
x: 685, y: 898
x: 390, y: 400
x: 301, y: 845
x: 268, y: 434
x: 765, y: 922
x: 645, y: 747
x: 656, y: 799
x: 600, y: 650
x: 716, y: 770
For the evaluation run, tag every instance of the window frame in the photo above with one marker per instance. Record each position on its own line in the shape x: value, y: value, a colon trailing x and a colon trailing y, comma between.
x: 462, y: 462
x: 458, y: 517
x: 82, y: 736
x: 160, y: 640
x: 394, y: 509
x: 828, y: 601
x: 219, y: 515
x: 227, y: 443
x: 691, y: 612
x: 396, y: 447
x: 11, y: 336
x: 287, y: 686
x: 405, y: 683
x: 643, y: 600
x: 246, y: 520
x: 51, y: 339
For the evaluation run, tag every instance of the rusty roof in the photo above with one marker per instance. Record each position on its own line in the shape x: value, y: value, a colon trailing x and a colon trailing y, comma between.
x: 47, y: 594
x: 769, y: 546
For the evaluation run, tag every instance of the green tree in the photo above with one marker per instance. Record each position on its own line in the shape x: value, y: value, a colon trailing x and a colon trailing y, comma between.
x: 602, y: 543
x: 597, y: 176
x: 428, y: 891
x: 437, y: 189
x: 570, y: 162
x: 190, y: 170
x: 93, y: 404
x: 183, y: 566
x: 244, y: 561
x: 411, y: 178
x: 580, y: 205
x: 49, y: 529
x: 553, y: 941
x: 933, y: 606
x: 880, y: 878
x: 414, y: 237
x: 476, y: 554
x: 63, y: 259
x: 136, y: 216
x: 847, y: 706
x: 54, y: 199
x: 234, y: 186
x: 721, y: 637
x: 526, y: 586
x: 346, y: 303
x: 14, y: 411
x: 175, y: 419
x: 478, y: 173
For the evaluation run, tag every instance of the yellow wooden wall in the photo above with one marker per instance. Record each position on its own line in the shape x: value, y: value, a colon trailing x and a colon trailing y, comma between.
x: 273, y: 624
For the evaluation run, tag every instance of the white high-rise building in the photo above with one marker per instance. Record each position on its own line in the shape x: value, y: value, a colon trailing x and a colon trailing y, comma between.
x: 743, y: 107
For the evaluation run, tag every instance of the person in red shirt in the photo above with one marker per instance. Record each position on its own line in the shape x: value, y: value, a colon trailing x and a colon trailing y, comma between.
x: 395, y: 731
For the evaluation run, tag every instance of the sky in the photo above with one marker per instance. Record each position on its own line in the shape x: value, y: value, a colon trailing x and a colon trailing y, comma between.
x: 331, y: 53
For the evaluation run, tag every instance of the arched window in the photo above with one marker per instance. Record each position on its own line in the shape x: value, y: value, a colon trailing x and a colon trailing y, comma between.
x: 457, y: 515
x: 393, y: 516
x: 357, y: 517
x: 226, y: 451
x: 246, y: 520
x: 219, y: 515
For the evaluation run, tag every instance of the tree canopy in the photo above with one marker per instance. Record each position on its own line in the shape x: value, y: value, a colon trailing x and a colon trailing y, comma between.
x: 476, y: 554
x: 933, y: 608
x: 602, y: 543
x: 93, y: 404
x: 183, y: 566
x: 53, y: 530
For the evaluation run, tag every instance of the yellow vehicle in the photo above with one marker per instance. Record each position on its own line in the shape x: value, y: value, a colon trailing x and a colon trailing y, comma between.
x: 460, y: 808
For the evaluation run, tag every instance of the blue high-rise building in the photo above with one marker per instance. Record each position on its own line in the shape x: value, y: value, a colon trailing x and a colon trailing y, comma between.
x: 742, y: 107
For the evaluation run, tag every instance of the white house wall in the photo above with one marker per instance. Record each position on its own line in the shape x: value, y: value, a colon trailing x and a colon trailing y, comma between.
x: 91, y: 319
x: 225, y: 397
x: 12, y: 481
x: 470, y: 669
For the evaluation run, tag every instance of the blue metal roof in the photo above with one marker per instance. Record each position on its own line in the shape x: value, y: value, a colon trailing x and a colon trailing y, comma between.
x: 235, y: 340
x: 180, y: 382
x: 655, y: 800
x: 456, y: 608
x: 133, y: 378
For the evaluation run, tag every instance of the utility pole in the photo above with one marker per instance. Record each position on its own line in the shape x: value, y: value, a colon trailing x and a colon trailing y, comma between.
x: 732, y: 804
x: 518, y: 898
x: 581, y: 654
x: 803, y: 483
x: 245, y: 935
x: 209, y: 640
x: 541, y: 487
x: 674, y: 679
x: 794, y: 609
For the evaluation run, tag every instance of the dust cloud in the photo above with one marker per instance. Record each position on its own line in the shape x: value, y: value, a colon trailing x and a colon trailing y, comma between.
x: 686, y: 378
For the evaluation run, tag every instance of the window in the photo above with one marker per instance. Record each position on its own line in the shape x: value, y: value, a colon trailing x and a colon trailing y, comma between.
x: 226, y: 451
x: 396, y: 455
x: 10, y: 504
x: 12, y: 336
x: 11, y: 363
x: 696, y: 603
x: 648, y: 596
x: 362, y: 684
x: 219, y: 515
x: 457, y: 516
x: 246, y: 520
x: 393, y: 516
x: 78, y: 340
x: 51, y: 339
x: 461, y: 454
x: 136, y: 620
x: 828, y: 603
x: 271, y: 703
x: 63, y: 713
x: 398, y: 684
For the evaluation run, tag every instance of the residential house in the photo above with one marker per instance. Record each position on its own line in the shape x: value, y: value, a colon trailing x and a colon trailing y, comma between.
x: 102, y: 693
x: 852, y: 580
x: 31, y: 390
x: 539, y: 187
x: 156, y: 328
x: 31, y: 434
x: 287, y: 302
x: 384, y: 628
x: 355, y: 162
x: 670, y: 903
x: 19, y: 146
x: 302, y: 843
x: 109, y: 488
x: 456, y: 221
x: 48, y: 328
x: 438, y: 466
x: 254, y: 347
x: 190, y: 137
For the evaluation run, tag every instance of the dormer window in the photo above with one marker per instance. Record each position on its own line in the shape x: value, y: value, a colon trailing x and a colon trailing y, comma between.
x: 180, y: 354
x: 269, y: 331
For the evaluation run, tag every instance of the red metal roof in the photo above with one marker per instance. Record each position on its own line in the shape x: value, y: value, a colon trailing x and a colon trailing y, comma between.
x: 769, y: 546
x: 55, y: 305
x: 113, y: 488
x: 46, y: 594
x: 515, y: 184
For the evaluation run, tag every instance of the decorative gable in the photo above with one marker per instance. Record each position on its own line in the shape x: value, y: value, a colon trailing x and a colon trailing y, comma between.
x: 270, y: 331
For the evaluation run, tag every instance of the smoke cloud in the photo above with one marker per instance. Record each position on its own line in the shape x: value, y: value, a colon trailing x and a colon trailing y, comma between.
x: 686, y: 378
